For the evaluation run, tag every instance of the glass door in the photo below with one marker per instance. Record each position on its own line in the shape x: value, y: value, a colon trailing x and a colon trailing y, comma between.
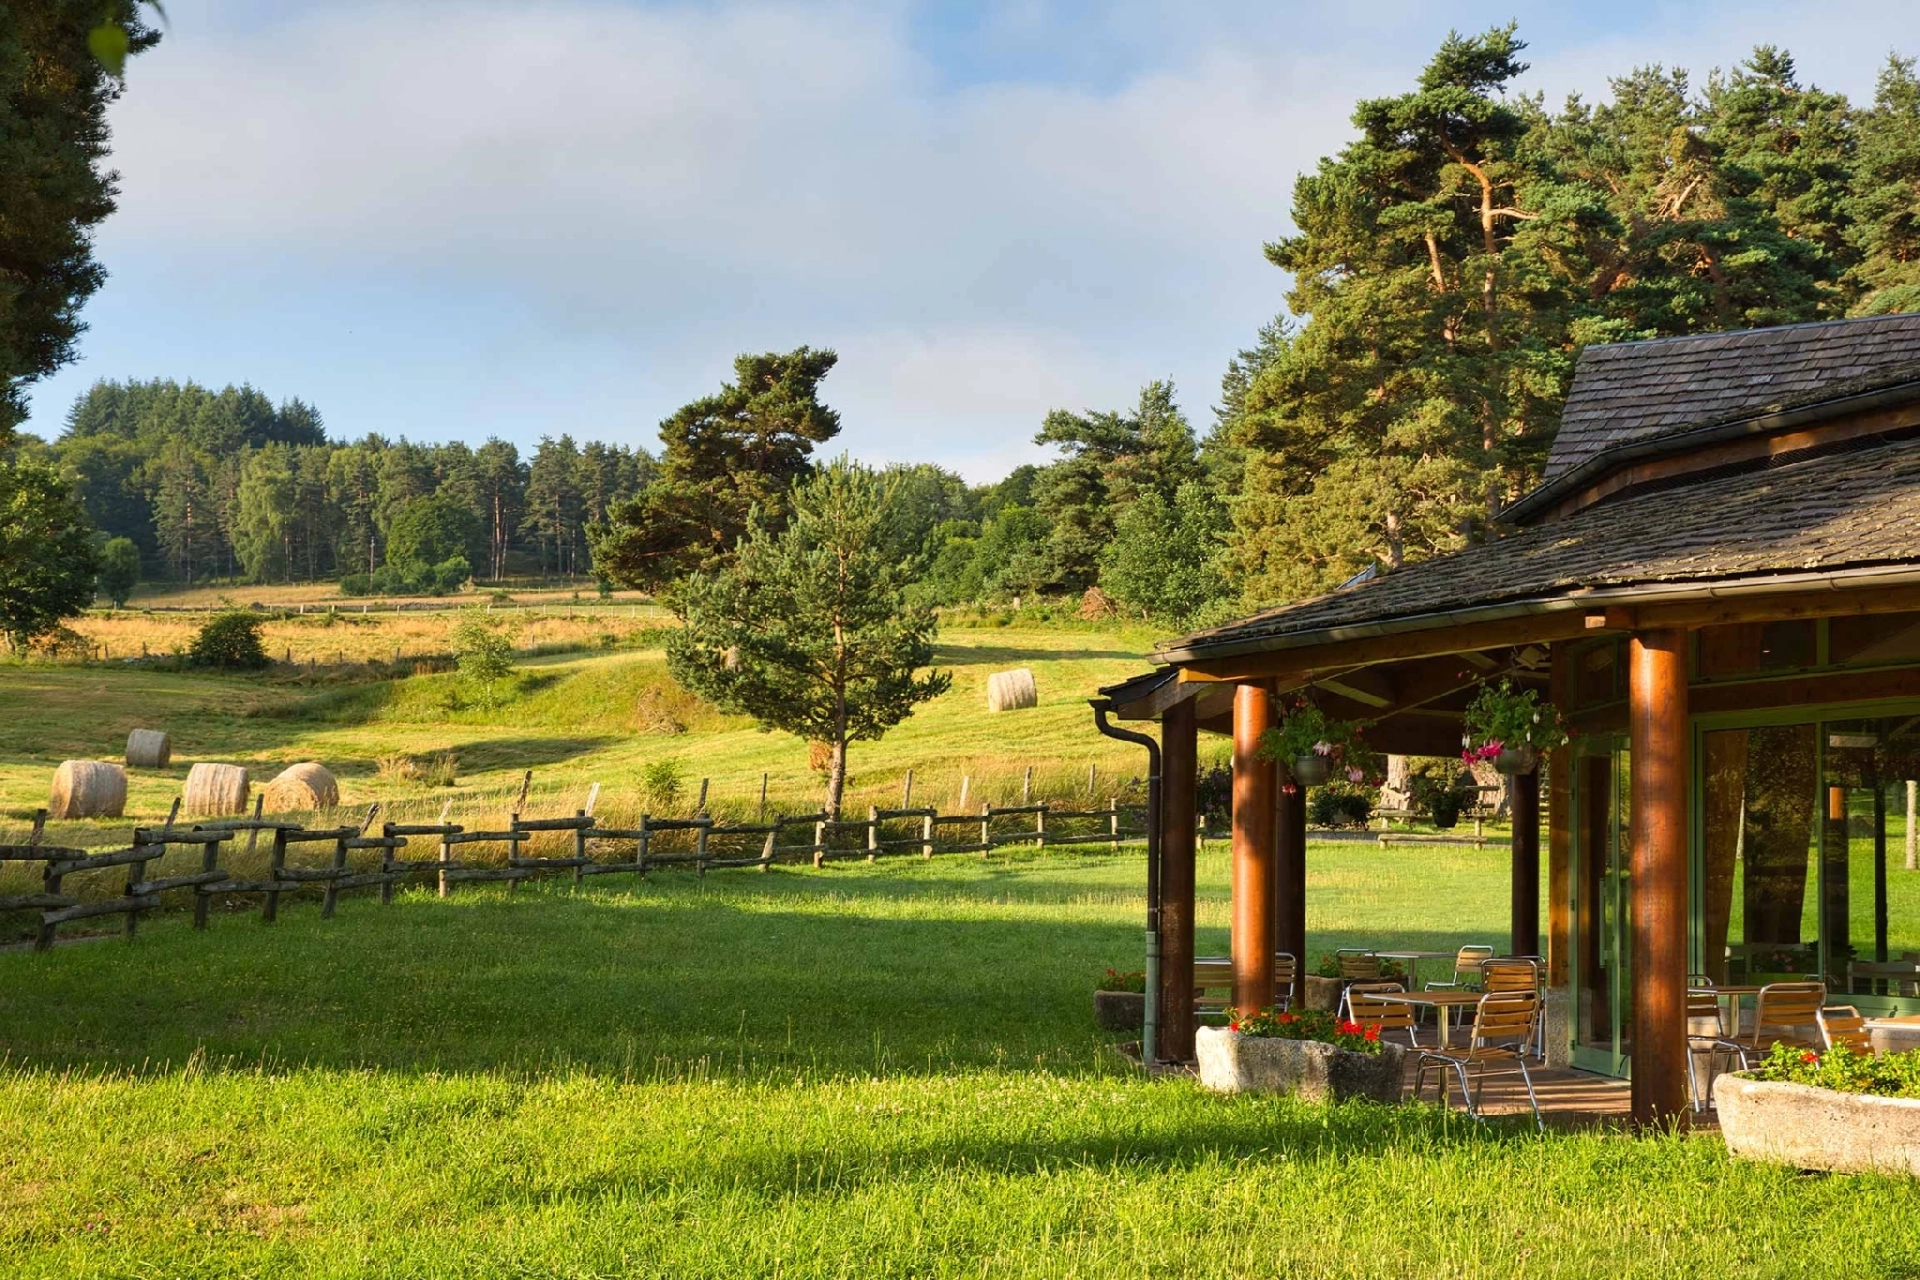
x: 1602, y: 949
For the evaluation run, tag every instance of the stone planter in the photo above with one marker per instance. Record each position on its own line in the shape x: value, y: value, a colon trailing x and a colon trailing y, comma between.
x: 1233, y: 1063
x: 1324, y: 993
x: 1894, y: 1035
x: 1120, y: 1010
x: 1811, y: 1128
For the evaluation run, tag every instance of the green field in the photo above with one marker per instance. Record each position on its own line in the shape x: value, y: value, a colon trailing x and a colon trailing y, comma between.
x: 575, y: 718
x: 885, y: 1070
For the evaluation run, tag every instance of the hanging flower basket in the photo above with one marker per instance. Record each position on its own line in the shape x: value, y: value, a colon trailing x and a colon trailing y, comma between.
x: 1509, y: 728
x: 1316, y: 748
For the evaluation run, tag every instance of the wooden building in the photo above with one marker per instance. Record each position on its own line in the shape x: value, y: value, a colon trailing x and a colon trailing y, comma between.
x: 1718, y: 582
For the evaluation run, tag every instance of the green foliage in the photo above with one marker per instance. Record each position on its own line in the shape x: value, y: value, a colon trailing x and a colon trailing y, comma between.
x: 1503, y: 716
x: 54, y: 94
x: 119, y: 570
x: 482, y: 653
x: 727, y: 456
x: 1886, y: 1075
x: 810, y: 630
x: 1166, y: 560
x: 1306, y: 730
x: 661, y: 783
x: 1440, y: 788
x: 229, y: 639
x: 48, y: 561
x: 1307, y: 1024
x: 1340, y: 804
x: 1134, y: 980
x: 431, y: 531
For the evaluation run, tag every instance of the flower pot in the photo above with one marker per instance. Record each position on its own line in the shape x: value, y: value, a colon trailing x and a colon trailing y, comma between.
x: 1120, y: 1010
x: 1813, y: 1128
x: 1232, y: 1063
x: 1324, y: 993
x: 1513, y: 761
x: 1309, y: 770
x: 1445, y: 813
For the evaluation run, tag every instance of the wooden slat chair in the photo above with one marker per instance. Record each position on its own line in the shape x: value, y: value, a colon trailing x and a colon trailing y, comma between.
x: 1507, y: 975
x: 1213, y: 981
x: 1783, y: 1013
x: 1842, y: 1024
x: 1706, y: 1037
x: 1466, y: 969
x: 1357, y: 964
x: 1370, y: 1004
x: 1502, y: 1023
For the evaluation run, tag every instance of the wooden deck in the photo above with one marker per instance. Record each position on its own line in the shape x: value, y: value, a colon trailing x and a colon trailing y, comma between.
x: 1568, y: 1098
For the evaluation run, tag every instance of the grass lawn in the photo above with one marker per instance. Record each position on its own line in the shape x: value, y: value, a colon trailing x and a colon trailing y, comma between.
x: 886, y: 1070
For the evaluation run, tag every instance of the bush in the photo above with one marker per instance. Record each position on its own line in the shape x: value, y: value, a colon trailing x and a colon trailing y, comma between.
x: 484, y: 655
x: 1339, y: 805
x: 1439, y: 789
x: 230, y: 639
x: 661, y: 781
x: 119, y: 570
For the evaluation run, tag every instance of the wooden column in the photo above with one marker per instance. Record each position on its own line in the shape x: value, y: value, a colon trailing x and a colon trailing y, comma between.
x: 1179, y: 767
x: 1559, y: 828
x: 1290, y: 886
x: 1254, y: 783
x: 1657, y: 728
x: 1524, y: 896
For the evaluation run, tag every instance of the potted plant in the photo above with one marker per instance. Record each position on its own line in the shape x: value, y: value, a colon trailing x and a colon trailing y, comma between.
x: 1120, y: 1001
x: 1313, y: 747
x: 1440, y: 788
x: 1309, y: 1053
x: 1511, y: 727
x: 1838, y: 1110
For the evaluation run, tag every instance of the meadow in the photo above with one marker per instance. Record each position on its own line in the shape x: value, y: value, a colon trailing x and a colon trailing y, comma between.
x: 858, y: 1070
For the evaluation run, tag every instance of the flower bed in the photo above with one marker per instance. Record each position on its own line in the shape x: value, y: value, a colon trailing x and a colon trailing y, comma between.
x: 1120, y: 1002
x: 1838, y: 1111
x: 1307, y: 1053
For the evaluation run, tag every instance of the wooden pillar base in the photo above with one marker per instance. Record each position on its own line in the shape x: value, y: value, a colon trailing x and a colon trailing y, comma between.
x: 1659, y: 741
x: 1255, y: 782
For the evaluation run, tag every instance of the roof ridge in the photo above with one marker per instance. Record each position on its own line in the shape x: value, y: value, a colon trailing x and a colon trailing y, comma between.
x: 1911, y: 317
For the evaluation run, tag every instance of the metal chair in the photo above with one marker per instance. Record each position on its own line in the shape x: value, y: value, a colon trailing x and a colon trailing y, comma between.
x: 1466, y: 969
x: 1505, y: 975
x: 1213, y: 981
x: 1357, y: 964
x: 1502, y: 1022
x: 1371, y: 1005
x: 1709, y: 1040
x: 1783, y: 1013
x: 1841, y: 1024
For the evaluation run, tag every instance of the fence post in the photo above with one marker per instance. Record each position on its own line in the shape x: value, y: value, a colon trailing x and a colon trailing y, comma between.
x: 1113, y: 821
x: 1026, y: 787
x: 700, y: 838
x: 209, y: 862
x: 644, y: 837
x: 820, y: 843
x: 446, y: 856
x: 763, y: 796
x: 986, y: 833
x: 906, y: 793
x: 766, y: 852
x: 386, y: 869
x: 1040, y: 826
x: 965, y: 780
x: 276, y: 863
x: 333, y: 885
x: 926, y: 834
x: 873, y: 833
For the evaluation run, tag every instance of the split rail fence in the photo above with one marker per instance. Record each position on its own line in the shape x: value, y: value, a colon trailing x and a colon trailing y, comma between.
x: 341, y: 859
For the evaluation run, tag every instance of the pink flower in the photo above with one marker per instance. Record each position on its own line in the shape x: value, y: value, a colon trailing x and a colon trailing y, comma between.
x: 1323, y: 748
x: 1355, y: 775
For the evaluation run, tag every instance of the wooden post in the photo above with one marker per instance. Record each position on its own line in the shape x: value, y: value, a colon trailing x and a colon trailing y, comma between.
x: 1559, y: 828
x: 1113, y: 821
x: 1657, y: 728
x: 386, y: 869
x: 333, y: 886
x: 986, y: 829
x: 873, y: 833
x: 1913, y: 837
x: 1290, y: 885
x: 1026, y: 787
x: 1040, y: 826
x: 819, y: 843
x: 446, y: 856
x: 1179, y: 768
x: 1254, y: 784
x: 702, y: 806
x: 1524, y: 896
x: 966, y: 780
x: 276, y: 862
x: 580, y: 846
x: 906, y: 792
x: 926, y: 834
x: 763, y: 796
x: 1091, y: 774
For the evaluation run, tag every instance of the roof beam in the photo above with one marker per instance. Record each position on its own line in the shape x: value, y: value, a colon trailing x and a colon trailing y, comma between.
x: 1300, y: 662
x: 1370, y: 687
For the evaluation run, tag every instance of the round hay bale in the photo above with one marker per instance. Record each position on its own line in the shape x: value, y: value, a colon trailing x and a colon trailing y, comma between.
x: 301, y: 787
x: 88, y: 789
x: 1012, y: 690
x: 149, y: 749
x: 214, y: 790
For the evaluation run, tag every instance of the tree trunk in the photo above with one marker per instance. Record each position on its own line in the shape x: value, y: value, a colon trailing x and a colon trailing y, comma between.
x: 836, y: 778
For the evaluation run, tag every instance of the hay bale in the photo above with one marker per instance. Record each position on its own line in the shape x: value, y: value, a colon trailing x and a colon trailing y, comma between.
x: 149, y: 749
x: 214, y: 790
x: 301, y: 787
x: 1012, y: 690
x: 88, y: 789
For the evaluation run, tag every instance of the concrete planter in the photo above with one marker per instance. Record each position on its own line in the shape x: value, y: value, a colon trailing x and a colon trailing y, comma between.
x: 1233, y: 1063
x: 1324, y: 993
x: 1811, y: 1128
x: 1120, y: 1010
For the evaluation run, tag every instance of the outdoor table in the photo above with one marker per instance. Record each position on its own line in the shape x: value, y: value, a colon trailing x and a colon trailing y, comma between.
x: 1894, y: 1035
x: 1732, y: 992
x: 1413, y: 959
x: 1442, y: 1002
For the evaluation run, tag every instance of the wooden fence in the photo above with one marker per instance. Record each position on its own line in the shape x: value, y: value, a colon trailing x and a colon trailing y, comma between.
x: 340, y: 859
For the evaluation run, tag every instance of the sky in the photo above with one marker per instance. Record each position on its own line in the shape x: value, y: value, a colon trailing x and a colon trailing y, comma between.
x: 460, y: 220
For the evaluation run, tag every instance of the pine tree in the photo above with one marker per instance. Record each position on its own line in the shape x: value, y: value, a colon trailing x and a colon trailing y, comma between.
x: 1885, y: 202
x: 502, y: 483
x: 725, y: 456
x: 810, y: 630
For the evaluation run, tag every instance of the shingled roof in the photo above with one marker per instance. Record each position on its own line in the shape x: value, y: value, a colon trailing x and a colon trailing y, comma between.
x: 1841, y: 511
x: 1631, y: 392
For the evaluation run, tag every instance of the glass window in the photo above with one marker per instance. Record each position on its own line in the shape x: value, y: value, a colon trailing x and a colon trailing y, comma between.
x: 1870, y: 886
x: 1743, y: 648
x: 1759, y: 915
x: 1886, y: 637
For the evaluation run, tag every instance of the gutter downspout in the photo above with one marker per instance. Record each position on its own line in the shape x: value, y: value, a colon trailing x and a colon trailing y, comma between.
x: 1150, y: 1022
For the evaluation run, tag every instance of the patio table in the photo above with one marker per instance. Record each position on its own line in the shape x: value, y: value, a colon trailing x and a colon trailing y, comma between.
x: 1413, y: 959
x: 1442, y: 1002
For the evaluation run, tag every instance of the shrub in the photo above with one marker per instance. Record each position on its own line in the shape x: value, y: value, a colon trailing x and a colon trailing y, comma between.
x: 661, y: 781
x: 485, y: 656
x: 1308, y: 1024
x: 1134, y: 980
x: 119, y: 570
x: 1888, y: 1075
x: 230, y: 639
x: 1340, y: 805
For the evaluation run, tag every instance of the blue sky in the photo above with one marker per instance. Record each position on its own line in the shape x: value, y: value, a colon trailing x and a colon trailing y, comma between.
x: 451, y: 221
